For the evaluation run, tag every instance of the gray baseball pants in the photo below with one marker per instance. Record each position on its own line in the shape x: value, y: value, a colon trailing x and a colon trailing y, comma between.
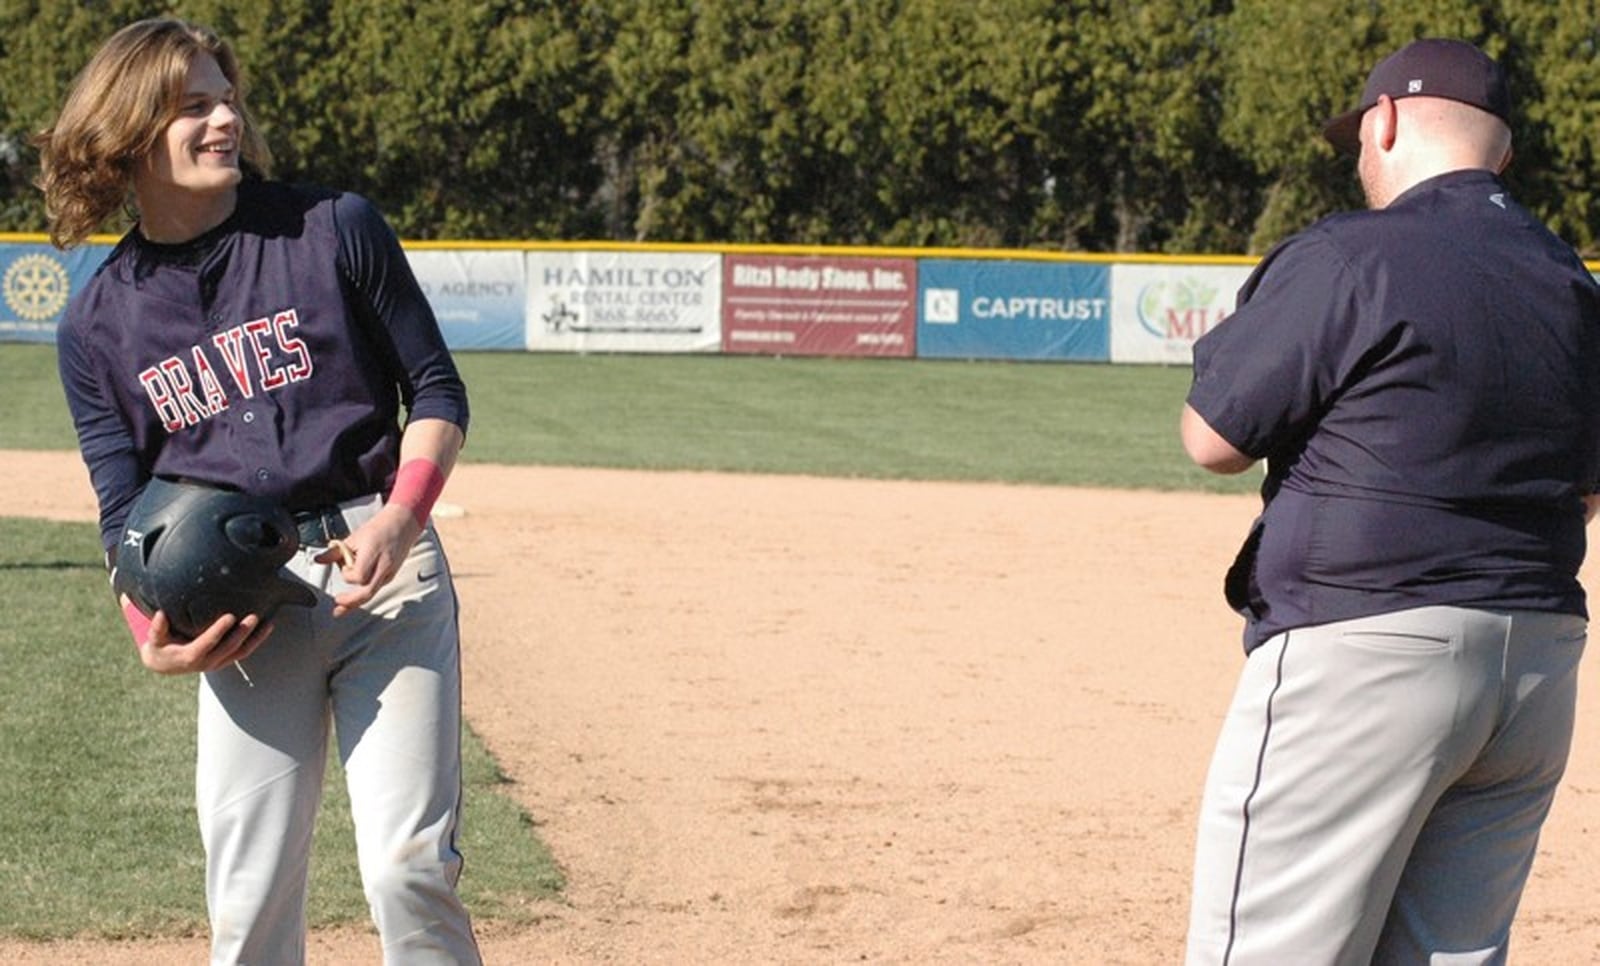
x: 386, y: 681
x: 1378, y: 788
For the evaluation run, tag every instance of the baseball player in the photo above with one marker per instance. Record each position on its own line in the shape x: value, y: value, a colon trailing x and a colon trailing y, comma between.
x: 1423, y: 379
x: 263, y: 337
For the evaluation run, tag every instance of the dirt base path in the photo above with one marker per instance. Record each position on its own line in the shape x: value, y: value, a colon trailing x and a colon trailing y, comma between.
x: 788, y: 720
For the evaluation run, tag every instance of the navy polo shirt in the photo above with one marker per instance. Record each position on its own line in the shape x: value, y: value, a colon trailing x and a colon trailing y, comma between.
x: 1424, y: 383
x: 271, y: 355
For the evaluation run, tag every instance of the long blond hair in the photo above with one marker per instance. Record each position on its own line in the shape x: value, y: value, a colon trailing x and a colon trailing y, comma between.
x: 114, y: 116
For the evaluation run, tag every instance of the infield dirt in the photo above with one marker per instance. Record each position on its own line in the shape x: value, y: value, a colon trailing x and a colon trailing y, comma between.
x: 792, y: 720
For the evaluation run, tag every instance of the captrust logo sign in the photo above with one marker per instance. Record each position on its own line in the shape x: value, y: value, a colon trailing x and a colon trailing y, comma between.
x: 1013, y: 309
x: 941, y: 306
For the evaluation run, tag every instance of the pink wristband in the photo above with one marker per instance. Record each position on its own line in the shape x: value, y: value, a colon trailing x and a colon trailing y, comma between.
x: 137, y: 622
x: 416, y: 487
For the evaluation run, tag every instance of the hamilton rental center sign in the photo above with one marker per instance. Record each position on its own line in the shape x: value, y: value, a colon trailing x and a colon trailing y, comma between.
x: 624, y: 301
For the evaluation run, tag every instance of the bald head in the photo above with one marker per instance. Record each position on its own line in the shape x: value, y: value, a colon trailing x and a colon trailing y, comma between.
x: 1409, y: 140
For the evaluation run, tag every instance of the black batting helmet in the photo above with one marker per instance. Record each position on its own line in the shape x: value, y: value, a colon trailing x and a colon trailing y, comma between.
x: 198, y: 552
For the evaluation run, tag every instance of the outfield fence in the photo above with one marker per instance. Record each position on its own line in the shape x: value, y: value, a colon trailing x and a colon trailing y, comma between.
x: 757, y: 299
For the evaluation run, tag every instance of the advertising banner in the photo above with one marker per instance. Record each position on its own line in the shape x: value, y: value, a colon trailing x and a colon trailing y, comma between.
x: 624, y: 301
x: 1157, y: 311
x: 978, y: 309
x: 819, y: 305
x: 35, y: 282
x: 479, y: 297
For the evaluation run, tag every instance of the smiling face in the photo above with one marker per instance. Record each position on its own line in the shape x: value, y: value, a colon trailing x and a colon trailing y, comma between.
x: 187, y: 183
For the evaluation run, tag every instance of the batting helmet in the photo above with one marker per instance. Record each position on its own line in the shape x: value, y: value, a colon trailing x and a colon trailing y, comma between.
x: 198, y: 552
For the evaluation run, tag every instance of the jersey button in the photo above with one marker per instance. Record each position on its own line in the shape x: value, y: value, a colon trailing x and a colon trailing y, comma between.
x: 262, y: 474
x: 249, y: 417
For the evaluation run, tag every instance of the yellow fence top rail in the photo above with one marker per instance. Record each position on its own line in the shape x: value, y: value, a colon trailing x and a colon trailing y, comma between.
x: 1012, y: 254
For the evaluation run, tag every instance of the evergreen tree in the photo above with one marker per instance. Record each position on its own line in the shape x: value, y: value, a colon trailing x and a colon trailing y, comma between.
x: 1154, y: 125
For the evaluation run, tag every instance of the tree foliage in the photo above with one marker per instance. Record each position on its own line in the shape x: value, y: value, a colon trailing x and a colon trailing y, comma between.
x: 1164, y: 125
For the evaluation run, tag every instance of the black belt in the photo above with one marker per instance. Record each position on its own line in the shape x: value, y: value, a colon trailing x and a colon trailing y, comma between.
x: 320, y: 527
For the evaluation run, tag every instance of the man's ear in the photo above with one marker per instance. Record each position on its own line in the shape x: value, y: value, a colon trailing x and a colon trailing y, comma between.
x: 1385, y: 122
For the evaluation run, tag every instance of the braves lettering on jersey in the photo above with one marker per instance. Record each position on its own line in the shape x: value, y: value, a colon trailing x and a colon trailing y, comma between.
x: 186, y: 390
x: 201, y: 360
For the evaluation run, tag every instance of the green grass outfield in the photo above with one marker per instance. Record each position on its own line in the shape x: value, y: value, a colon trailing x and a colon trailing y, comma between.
x: 96, y: 756
x: 1048, y: 423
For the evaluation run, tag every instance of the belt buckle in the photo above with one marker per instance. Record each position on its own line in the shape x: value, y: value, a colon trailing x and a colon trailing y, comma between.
x: 335, y: 523
x: 321, y: 527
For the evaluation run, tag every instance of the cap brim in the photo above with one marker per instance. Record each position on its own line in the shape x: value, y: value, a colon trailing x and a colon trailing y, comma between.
x: 1344, y: 131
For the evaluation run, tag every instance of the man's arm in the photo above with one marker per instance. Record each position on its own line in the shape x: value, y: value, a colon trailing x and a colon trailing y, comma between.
x: 1208, y: 449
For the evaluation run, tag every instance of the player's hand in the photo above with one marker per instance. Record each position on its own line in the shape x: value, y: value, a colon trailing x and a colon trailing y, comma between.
x: 371, y: 555
x: 226, y: 641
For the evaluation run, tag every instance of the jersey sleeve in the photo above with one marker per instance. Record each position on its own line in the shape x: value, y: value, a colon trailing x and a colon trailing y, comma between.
x: 1264, y: 374
x: 103, y: 439
x: 390, y: 299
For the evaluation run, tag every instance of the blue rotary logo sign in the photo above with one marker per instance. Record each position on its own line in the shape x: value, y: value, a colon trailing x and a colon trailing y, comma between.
x: 36, y: 281
x: 36, y: 287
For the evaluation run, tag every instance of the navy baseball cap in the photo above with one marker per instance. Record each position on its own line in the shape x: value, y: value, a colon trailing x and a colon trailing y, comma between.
x: 1426, y: 68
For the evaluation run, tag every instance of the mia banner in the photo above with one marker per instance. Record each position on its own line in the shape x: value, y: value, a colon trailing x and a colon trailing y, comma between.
x: 1158, y: 310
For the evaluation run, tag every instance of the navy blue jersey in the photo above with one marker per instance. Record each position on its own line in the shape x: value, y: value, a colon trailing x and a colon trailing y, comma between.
x: 1424, y: 382
x: 271, y: 355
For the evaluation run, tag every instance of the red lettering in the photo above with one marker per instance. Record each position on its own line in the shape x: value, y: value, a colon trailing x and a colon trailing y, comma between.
x: 183, y: 391
x: 210, y: 386
x: 231, y: 345
x: 160, y: 395
x: 1191, y: 324
x: 284, y: 321
x: 258, y: 330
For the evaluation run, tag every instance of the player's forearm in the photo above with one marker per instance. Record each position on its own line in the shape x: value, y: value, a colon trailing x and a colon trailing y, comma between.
x: 437, y: 440
x: 428, y: 451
